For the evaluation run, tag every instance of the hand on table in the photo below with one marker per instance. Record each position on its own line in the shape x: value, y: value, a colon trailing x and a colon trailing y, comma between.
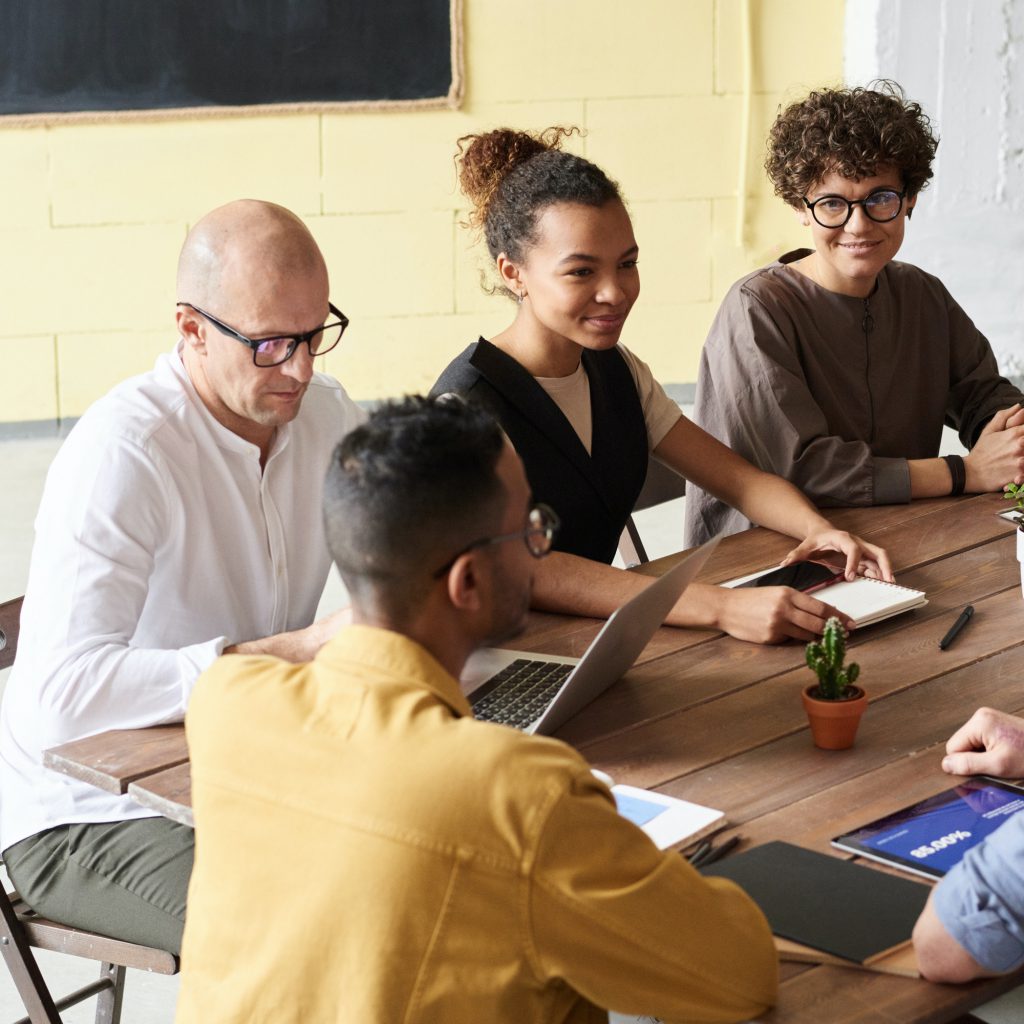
x: 298, y: 645
x: 998, y: 457
x: 323, y: 629
x: 990, y: 743
x: 849, y: 554
x: 771, y: 615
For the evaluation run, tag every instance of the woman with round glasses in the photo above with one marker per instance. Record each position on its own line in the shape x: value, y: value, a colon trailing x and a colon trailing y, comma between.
x: 584, y: 413
x: 837, y: 367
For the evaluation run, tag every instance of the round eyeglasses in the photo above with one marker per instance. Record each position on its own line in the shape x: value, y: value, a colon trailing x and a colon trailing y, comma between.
x: 280, y: 348
x: 881, y: 206
x: 539, y: 536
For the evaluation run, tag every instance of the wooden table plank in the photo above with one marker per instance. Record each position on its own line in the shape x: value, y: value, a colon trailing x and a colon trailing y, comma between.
x: 168, y: 791
x: 841, y: 995
x: 656, y: 751
x: 705, y: 672
x: 113, y: 760
x: 764, y: 779
x: 921, y: 533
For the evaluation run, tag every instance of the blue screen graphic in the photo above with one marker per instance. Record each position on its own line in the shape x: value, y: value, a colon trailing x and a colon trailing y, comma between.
x: 636, y: 810
x: 936, y: 833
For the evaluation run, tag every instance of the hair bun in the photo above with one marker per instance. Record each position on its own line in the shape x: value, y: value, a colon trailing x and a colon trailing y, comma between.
x: 484, y: 160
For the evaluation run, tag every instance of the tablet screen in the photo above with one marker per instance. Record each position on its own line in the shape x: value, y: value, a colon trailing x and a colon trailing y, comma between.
x: 929, y: 837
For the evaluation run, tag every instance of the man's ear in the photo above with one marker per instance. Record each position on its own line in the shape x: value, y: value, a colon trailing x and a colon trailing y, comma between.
x: 190, y: 327
x: 510, y: 275
x: 464, y: 583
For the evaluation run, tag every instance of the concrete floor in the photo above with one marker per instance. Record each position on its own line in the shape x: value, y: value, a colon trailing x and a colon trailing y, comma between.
x: 150, y: 999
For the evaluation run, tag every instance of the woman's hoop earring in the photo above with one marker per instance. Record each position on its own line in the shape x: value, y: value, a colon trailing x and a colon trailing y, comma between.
x: 519, y: 297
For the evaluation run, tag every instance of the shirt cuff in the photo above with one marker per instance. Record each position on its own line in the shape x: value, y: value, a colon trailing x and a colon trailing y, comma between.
x: 974, y: 912
x: 194, y: 660
x: 890, y: 481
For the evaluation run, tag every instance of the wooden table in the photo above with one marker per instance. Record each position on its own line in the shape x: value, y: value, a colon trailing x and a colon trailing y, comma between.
x: 713, y: 719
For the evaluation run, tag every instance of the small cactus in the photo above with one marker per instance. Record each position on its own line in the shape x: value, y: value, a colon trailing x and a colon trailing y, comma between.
x: 826, y: 656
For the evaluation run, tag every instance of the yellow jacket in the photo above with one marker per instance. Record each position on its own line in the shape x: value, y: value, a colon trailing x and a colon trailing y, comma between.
x: 367, y: 852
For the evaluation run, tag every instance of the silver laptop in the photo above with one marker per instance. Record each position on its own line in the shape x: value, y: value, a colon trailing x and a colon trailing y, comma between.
x: 539, y: 693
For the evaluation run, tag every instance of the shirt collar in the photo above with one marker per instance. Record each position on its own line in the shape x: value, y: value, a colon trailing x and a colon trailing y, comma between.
x: 225, y: 438
x: 396, y: 658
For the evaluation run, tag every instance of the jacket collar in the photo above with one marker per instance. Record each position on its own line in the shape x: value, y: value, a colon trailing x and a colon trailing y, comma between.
x: 532, y: 403
x: 392, y: 657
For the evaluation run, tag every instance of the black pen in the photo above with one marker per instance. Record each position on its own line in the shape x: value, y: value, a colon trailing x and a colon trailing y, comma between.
x: 702, y: 850
x: 718, y: 852
x: 962, y: 619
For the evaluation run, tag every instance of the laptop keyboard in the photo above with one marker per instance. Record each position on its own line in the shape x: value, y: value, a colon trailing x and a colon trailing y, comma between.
x: 520, y: 693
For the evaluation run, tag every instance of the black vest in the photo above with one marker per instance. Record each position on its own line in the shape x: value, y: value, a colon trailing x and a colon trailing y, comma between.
x: 592, y: 494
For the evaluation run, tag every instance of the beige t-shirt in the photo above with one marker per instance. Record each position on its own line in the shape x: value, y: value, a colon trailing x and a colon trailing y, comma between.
x: 572, y: 396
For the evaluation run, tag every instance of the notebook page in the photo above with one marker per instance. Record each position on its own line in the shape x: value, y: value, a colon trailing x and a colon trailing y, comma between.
x: 866, y: 600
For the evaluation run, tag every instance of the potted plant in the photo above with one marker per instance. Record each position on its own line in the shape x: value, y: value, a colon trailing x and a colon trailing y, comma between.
x: 833, y: 704
x: 1015, y: 493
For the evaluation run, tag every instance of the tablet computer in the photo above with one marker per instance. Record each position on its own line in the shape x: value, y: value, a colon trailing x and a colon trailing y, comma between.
x: 930, y: 837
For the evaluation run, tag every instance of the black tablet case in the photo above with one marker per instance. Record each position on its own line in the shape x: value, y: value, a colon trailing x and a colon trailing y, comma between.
x: 834, y: 905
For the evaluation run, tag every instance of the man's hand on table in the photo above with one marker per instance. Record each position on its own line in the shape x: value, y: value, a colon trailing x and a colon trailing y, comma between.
x: 300, y: 644
x: 990, y: 743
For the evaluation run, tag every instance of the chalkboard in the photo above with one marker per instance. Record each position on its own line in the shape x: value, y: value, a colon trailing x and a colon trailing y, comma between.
x: 66, y: 56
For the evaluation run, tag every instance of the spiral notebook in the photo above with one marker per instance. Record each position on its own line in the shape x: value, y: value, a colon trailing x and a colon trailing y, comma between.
x: 865, y: 600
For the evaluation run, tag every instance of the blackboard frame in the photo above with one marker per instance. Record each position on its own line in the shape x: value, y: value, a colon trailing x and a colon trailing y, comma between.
x: 205, y: 108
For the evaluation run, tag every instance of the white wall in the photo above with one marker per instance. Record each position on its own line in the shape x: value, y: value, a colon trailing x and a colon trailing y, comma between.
x: 963, y: 61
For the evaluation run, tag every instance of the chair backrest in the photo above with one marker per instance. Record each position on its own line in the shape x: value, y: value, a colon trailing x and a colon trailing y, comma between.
x: 661, y: 484
x: 21, y: 929
x: 10, y: 621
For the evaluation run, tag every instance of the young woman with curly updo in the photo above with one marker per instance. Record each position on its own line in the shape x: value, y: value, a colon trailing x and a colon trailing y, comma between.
x: 836, y: 367
x: 584, y: 413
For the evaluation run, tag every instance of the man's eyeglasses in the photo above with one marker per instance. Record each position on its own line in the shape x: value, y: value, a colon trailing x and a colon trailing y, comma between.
x: 538, y: 537
x: 881, y: 206
x: 279, y: 349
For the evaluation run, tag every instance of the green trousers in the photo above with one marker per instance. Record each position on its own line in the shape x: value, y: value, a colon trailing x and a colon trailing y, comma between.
x: 126, y: 879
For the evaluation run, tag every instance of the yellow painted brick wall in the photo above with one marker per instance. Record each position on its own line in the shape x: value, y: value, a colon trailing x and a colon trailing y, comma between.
x: 93, y: 215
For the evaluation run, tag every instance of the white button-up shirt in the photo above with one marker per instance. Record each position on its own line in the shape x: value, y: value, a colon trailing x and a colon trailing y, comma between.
x: 159, y: 541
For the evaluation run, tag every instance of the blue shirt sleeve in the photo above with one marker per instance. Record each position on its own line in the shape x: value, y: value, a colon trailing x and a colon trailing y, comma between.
x: 980, y: 902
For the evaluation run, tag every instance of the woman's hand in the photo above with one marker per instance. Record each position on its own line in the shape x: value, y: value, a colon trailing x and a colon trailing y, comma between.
x: 771, y: 615
x: 859, y: 557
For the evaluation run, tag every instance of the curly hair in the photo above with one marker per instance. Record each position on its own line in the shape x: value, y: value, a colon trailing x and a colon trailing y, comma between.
x: 851, y: 132
x: 511, y: 176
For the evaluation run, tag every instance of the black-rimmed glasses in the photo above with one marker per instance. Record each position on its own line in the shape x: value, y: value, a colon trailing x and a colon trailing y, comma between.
x: 279, y: 349
x: 881, y: 206
x: 538, y: 537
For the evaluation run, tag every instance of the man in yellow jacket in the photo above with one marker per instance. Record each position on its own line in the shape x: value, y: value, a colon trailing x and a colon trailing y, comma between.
x: 367, y: 851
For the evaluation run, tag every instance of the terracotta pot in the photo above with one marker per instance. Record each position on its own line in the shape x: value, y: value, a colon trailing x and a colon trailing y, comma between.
x: 834, y: 722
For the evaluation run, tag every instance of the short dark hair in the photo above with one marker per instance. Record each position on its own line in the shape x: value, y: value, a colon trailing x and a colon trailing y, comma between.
x: 851, y: 132
x: 405, y: 491
x: 511, y: 176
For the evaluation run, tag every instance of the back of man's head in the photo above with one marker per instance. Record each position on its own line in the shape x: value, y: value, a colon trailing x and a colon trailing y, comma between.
x: 407, y: 491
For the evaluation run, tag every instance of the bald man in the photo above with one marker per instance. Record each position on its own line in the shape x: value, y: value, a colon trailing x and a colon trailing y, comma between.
x: 180, y: 520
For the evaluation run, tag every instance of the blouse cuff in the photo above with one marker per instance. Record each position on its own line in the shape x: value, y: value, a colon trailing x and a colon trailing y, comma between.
x: 891, y: 481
